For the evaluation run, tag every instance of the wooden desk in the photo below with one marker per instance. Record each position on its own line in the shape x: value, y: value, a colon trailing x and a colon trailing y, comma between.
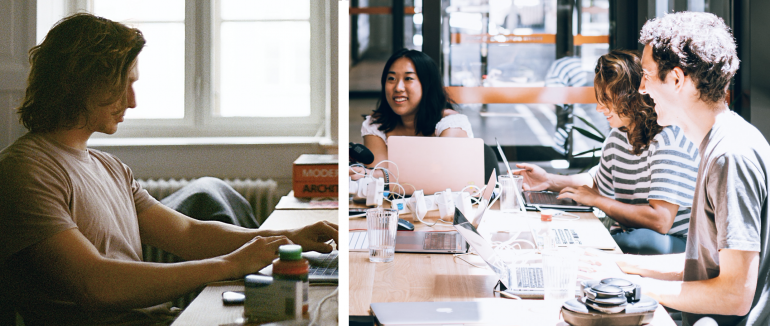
x: 207, y: 308
x: 435, y: 277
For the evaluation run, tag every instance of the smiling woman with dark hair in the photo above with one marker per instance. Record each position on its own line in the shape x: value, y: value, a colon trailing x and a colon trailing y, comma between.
x: 412, y: 103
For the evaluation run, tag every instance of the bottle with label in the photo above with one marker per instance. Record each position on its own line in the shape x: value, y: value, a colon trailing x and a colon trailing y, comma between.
x: 544, y: 234
x: 292, y: 267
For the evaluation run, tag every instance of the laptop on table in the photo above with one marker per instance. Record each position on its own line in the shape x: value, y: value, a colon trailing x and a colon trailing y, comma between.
x: 545, y: 199
x: 483, y: 312
x: 434, y: 164
x: 438, y: 242
x: 523, y: 281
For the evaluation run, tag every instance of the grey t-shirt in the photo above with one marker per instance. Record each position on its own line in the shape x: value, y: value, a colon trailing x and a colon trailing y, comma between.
x: 46, y: 188
x: 730, y: 209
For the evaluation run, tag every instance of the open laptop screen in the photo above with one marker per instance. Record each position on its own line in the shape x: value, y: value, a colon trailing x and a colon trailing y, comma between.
x: 434, y: 164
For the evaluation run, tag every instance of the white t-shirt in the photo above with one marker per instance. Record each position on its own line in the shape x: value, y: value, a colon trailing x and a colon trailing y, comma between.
x: 450, y: 121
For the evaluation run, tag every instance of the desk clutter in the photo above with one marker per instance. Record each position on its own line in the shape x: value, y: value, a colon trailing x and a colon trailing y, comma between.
x: 611, y: 301
x: 284, y: 295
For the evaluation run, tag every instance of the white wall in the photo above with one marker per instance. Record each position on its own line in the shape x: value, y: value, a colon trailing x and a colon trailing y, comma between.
x: 17, y: 36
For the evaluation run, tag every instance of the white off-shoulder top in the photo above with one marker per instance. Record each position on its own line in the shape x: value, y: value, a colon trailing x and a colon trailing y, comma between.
x: 450, y: 121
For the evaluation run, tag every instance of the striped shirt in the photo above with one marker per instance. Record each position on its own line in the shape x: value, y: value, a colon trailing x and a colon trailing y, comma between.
x: 567, y: 71
x: 667, y: 171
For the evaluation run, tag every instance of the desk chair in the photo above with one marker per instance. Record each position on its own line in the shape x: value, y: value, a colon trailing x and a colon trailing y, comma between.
x: 490, y: 161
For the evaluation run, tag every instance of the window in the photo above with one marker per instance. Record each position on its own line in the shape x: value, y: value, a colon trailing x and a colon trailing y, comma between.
x: 222, y: 68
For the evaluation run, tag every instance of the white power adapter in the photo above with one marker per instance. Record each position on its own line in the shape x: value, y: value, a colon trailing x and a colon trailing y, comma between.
x: 463, y: 203
x: 357, y: 188
x: 375, y: 192
x: 417, y: 205
x: 445, y: 203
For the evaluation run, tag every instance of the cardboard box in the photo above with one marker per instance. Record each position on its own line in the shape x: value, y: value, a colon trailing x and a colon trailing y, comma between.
x: 316, y: 175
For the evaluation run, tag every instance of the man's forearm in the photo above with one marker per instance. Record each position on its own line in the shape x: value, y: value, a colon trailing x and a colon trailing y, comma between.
x: 121, y: 284
x: 209, y: 239
x: 661, y: 267
x: 698, y: 297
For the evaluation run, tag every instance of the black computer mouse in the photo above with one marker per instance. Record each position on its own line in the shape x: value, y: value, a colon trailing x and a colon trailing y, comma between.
x: 404, y: 225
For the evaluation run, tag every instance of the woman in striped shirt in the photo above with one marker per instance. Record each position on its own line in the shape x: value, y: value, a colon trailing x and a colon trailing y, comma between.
x: 646, y: 177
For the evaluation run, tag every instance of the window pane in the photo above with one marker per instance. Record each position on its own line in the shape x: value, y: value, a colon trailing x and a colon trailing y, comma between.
x: 140, y: 10
x: 264, y: 9
x: 160, y: 88
x: 265, y: 69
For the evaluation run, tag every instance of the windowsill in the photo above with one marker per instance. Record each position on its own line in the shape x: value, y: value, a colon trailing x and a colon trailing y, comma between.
x: 204, y: 141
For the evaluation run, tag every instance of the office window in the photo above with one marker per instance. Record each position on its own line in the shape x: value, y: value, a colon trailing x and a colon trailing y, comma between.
x: 222, y: 68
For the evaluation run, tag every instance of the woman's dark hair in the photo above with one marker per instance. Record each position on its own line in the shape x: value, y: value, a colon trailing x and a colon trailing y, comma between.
x: 84, y: 61
x: 616, y: 84
x: 434, y: 98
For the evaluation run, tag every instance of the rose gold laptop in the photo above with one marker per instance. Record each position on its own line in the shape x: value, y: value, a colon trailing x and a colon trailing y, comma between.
x: 434, y: 164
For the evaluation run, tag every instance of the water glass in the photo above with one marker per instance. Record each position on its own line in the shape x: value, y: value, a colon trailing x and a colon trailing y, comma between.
x: 381, y: 231
x: 559, y: 274
x: 509, y: 202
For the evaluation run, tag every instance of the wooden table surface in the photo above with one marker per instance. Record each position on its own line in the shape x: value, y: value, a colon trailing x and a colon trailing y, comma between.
x: 442, y: 277
x: 207, y: 308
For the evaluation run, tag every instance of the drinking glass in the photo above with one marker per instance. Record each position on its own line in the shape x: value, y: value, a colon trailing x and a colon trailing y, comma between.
x: 381, y: 231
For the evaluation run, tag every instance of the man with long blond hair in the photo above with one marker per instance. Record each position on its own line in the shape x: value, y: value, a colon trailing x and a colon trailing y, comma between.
x: 73, y: 219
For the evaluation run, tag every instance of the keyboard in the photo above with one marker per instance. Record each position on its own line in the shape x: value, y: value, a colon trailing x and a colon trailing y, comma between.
x: 529, y: 277
x: 566, y: 237
x: 358, y: 241
x: 545, y: 198
x: 440, y: 241
x: 323, y: 267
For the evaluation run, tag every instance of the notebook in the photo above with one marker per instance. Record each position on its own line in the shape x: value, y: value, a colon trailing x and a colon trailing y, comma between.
x: 434, y: 164
x: 545, y: 199
x: 448, y: 242
x: 482, y: 312
x: 523, y: 281
x: 323, y: 267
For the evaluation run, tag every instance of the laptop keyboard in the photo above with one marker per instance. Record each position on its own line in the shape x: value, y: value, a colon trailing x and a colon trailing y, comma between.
x: 358, y: 240
x: 548, y: 198
x: 529, y: 277
x: 566, y: 237
x: 543, y: 198
x: 324, y: 264
x: 440, y: 241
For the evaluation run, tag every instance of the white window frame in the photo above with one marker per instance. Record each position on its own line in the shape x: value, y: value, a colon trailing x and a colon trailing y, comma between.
x: 199, y: 93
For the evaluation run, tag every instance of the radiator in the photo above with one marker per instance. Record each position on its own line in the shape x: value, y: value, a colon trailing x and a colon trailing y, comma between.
x: 262, y: 195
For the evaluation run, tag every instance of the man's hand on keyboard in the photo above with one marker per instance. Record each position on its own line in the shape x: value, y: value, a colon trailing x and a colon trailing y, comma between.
x: 314, y: 237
